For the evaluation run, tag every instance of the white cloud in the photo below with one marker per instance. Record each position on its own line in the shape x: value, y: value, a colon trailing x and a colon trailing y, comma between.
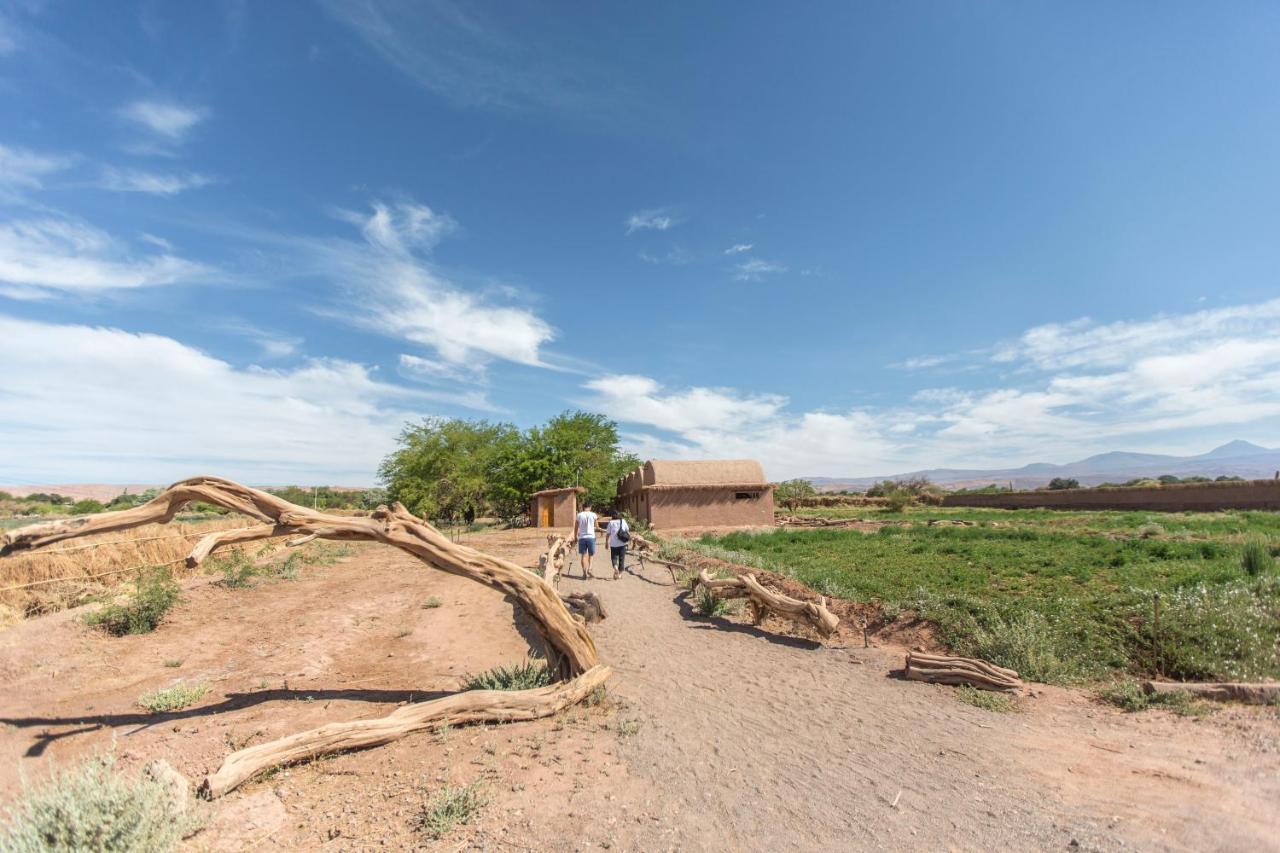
x: 756, y: 269
x: 21, y: 168
x: 675, y: 257
x: 64, y: 254
x: 1169, y: 384
x: 65, y: 419
x: 739, y: 248
x: 390, y: 285
x: 649, y: 220
x: 170, y: 120
x: 153, y: 183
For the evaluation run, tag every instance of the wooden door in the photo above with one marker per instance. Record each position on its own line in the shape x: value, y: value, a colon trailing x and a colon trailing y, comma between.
x: 544, y: 513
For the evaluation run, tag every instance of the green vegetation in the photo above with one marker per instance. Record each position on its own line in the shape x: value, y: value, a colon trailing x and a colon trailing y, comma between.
x: 173, y: 698
x: 1130, y: 696
x: 432, y: 602
x: 518, y: 676
x: 1058, y: 483
x: 92, y: 806
x: 1257, y: 559
x: 449, y: 807
x: 791, y: 492
x: 1000, y: 703
x: 155, y: 594
x: 236, y: 568
x: 458, y: 470
x: 1060, y: 597
x: 709, y: 605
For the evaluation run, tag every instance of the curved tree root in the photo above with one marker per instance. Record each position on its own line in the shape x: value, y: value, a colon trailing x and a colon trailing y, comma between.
x: 571, y: 650
x: 473, y: 706
x: 814, y: 614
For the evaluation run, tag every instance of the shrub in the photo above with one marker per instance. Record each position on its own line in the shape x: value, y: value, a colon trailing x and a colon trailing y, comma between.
x: 1256, y: 559
x: 898, y: 500
x: 173, y: 698
x: 519, y: 676
x: 1058, y: 483
x: 708, y: 604
x: 448, y: 807
x: 1026, y: 643
x: 432, y: 602
x: 236, y: 568
x: 156, y: 592
x: 1130, y: 696
x: 94, y: 807
x: 985, y: 699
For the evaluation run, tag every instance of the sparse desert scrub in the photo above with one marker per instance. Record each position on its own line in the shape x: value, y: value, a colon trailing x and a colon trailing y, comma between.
x: 155, y: 593
x: 93, y: 806
x: 173, y: 698
x: 519, y: 676
x: 1130, y: 696
x: 77, y: 570
x: 449, y: 807
x: 1000, y: 703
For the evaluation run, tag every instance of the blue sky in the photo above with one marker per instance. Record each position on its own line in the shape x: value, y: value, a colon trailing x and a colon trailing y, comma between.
x: 254, y: 239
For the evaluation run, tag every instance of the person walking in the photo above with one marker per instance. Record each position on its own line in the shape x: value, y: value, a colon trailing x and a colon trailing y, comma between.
x: 617, y: 534
x: 584, y: 526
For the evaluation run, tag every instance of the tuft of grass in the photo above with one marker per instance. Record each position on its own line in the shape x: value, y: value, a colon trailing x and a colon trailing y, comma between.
x: 1000, y: 703
x: 449, y: 807
x: 1256, y: 558
x: 173, y: 698
x: 1150, y: 531
x: 518, y: 676
x: 432, y: 602
x: 92, y: 806
x: 155, y: 594
x: 173, y: 663
x: 706, y: 603
x: 236, y: 567
x: 1130, y: 696
x: 628, y: 728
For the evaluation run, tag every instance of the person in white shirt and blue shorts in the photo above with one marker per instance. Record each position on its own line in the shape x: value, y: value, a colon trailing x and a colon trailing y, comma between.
x: 584, y: 528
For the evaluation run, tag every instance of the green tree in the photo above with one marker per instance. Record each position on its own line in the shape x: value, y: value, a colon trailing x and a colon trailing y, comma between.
x: 1064, y: 483
x: 443, y: 468
x: 86, y: 507
x: 792, y: 492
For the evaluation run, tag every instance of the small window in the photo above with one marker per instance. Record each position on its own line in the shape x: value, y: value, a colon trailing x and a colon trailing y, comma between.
x: 743, y: 496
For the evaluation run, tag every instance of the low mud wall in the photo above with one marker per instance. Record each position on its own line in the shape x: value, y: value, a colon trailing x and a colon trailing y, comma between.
x: 1181, y: 497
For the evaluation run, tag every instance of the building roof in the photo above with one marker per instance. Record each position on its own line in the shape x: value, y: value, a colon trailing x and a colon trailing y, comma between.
x: 726, y: 472
x: 579, y: 489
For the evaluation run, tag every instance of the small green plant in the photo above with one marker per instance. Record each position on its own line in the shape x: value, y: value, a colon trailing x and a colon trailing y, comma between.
x: 92, y: 806
x: 708, y: 604
x: 432, y: 602
x: 173, y: 663
x: 627, y: 728
x: 1256, y: 559
x: 1130, y: 696
x: 155, y: 594
x: 173, y: 698
x: 237, y: 569
x: 1000, y: 703
x: 287, y: 569
x: 519, y: 676
x: 1150, y: 531
x: 451, y: 806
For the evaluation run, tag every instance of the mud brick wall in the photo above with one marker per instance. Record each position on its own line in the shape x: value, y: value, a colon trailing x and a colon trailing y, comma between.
x: 1182, y: 497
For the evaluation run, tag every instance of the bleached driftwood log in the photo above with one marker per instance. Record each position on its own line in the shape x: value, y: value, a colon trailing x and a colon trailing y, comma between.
x: 1262, y: 693
x: 552, y: 562
x: 473, y: 706
x: 952, y: 670
x: 571, y: 650
x: 814, y: 614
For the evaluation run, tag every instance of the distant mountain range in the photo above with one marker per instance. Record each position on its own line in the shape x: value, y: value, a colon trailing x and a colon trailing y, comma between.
x: 1235, y: 458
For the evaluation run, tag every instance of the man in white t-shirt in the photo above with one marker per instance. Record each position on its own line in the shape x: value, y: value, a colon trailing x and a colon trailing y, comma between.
x: 584, y: 528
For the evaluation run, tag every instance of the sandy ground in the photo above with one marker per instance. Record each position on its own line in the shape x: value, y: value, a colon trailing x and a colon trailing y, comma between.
x: 715, y: 735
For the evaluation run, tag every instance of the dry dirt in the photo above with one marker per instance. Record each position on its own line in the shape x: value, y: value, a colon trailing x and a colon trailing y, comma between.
x: 715, y: 735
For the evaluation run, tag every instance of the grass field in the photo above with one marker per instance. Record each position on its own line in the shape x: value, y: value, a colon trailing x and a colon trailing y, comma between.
x: 1059, y: 596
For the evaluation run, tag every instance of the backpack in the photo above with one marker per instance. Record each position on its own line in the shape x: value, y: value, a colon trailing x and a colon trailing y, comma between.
x: 623, y: 535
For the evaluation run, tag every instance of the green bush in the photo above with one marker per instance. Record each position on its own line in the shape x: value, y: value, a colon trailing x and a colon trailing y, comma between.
x: 173, y: 698
x: 897, y: 500
x: 1256, y: 559
x: 1130, y: 696
x: 448, y: 807
x: 236, y: 568
x: 708, y: 604
x: 94, y: 807
x: 520, y: 676
x: 155, y: 594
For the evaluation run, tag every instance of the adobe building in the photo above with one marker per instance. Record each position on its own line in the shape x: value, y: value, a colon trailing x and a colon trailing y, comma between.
x: 719, y: 493
x: 554, y: 507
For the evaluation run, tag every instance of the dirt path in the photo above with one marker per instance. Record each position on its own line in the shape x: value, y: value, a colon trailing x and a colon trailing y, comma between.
x: 716, y: 736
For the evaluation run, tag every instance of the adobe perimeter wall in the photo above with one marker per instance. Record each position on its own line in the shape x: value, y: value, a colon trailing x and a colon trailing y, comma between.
x: 1207, y: 497
x: 709, y: 507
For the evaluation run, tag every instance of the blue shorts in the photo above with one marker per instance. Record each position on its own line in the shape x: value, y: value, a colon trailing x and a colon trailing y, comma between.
x: 587, y: 545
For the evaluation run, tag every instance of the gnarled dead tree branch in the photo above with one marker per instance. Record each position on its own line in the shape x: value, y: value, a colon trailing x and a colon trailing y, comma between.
x: 552, y: 562
x: 1261, y: 693
x: 814, y: 614
x: 571, y: 649
x: 952, y: 670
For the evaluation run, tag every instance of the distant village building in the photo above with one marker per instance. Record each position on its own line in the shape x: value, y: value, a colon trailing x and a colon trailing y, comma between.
x: 722, y: 493
x: 554, y: 507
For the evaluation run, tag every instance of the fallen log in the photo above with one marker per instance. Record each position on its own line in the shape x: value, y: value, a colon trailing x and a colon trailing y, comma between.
x: 586, y: 606
x: 571, y: 650
x: 472, y: 706
x: 1261, y: 693
x: 953, y: 670
x: 814, y: 614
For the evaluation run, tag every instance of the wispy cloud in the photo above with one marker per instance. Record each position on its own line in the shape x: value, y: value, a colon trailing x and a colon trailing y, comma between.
x: 327, y: 420
x: 22, y: 168
x: 1173, y: 382
x: 51, y: 254
x: 674, y: 257
x: 153, y: 183
x: 739, y: 248
x: 756, y: 269
x: 649, y: 220
x: 456, y: 52
x: 170, y: 120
